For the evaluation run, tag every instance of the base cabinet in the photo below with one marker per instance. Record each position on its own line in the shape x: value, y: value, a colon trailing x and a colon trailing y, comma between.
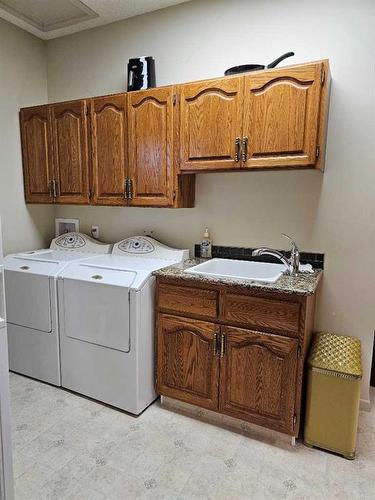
x: 255, y: 375
x: 258, y: 377
x: 188, y: 367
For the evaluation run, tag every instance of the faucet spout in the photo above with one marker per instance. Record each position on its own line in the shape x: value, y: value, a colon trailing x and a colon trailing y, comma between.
x: 292, y: 264
x: 273, y: 253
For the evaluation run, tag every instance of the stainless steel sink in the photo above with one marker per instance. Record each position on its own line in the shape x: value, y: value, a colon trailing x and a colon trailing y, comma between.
x: 239, y: 269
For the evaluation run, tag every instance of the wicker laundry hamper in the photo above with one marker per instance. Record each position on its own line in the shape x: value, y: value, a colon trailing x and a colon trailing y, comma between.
x: 333, y: 391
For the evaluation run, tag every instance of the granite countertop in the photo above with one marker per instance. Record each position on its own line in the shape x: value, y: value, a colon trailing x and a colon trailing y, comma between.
x: 302, y: 284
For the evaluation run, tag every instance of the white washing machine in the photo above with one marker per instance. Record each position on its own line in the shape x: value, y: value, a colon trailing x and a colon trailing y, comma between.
x: 31, y: 297
x: 106, y: 308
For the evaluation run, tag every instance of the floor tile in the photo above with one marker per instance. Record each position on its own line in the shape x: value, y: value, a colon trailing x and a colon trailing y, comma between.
x: 68, y: 447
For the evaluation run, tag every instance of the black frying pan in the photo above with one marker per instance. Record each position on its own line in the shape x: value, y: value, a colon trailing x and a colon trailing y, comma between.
x: 256, y: 67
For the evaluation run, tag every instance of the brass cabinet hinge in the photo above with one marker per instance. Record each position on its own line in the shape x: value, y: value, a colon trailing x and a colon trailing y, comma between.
x: 317, y: 153
x: 323, y: 77
x: 299, y: 351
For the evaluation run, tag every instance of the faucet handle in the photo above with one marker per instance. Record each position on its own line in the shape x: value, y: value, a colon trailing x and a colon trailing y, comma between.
x: 294, y: 244
x: 294, y: 254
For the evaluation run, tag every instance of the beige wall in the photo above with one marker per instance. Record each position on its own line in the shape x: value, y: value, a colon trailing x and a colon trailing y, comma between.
x: 23, y: 81
x: 332, y: 213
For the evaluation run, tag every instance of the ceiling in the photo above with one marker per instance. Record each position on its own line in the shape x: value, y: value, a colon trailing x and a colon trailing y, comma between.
x: 54, y: 18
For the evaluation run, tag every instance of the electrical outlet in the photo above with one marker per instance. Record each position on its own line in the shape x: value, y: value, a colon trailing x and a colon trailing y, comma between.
x: 149, y: 232
x: 95, y: 232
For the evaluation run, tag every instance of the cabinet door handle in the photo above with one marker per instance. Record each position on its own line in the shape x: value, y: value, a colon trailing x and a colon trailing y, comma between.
x: 215, y: 343
x: 53, y: 189
x: 50, y: 189
x: 237, y: 154
x: 130, y: 193
x: 245, y: 142
x: 222, y: 345
x: 126, y: 188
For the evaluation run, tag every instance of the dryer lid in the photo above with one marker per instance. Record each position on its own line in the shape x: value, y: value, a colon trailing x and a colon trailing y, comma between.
x: 99, y: 274
x: 32, y: 265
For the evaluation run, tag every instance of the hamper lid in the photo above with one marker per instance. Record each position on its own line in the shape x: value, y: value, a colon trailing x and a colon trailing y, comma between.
x: 336, y: 353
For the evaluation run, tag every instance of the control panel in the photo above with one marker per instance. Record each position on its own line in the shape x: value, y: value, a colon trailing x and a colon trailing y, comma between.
x: 79, y: 242
x: 144, y: 246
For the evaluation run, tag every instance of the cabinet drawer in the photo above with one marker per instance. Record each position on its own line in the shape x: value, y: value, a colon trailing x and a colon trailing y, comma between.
x: 188, y: 300
x: 275, y: 315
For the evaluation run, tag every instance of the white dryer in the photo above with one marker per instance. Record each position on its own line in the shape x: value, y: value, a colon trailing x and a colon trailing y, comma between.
x: 31, y: 296
x: 106, y: 308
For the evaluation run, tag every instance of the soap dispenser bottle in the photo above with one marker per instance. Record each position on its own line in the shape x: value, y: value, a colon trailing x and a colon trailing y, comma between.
x: 206, y: 245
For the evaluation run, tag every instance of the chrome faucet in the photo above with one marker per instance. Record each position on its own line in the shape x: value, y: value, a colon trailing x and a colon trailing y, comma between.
x: 291, y: 264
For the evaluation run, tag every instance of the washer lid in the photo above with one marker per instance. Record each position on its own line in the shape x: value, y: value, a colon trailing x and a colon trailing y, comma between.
x: 96, y: 273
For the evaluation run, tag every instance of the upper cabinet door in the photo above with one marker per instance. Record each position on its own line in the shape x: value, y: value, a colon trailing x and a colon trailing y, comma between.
x: 69, y: 129
x: 37, y: 154
x: 151, y: 154
x: 211, y: 124
x: 109, y: 149
x: 257, y: 378
x: 281, y: 117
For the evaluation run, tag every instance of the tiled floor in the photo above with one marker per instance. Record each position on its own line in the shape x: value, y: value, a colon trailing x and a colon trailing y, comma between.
x: 68, y: 447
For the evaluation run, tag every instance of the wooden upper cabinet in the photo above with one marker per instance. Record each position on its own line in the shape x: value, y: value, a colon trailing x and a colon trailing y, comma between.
x: 187, y: 365
x: 37, y: 154
x: 281, y: 117
x: 210, y: 124
x: 258, y: 378
x: 151, y: 152
x: 69, y: 133
x: 109, y: 149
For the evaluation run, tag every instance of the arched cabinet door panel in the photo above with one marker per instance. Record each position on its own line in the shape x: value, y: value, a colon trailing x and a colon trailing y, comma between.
x: 69, y: 133
x: 258, y: 378
x: 187, y: 365
x: 37, y: 154
x: 151, y: 151
x: 281, y: 117
x: 211, y: 124
x: 109, y: 149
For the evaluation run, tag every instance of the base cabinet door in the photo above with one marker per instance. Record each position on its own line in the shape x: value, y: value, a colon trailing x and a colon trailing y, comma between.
x: 109, y: 149
x: 211, y: 125
x: 69, y: 132
x: 187, y: 363
x: 151, y: 147
x: 258, y: 378
x: 37, y: 154
x: 281, y: 117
